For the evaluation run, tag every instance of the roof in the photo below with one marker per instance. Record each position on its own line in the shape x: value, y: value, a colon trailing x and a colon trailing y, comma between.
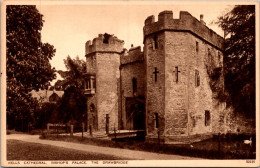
x: 44, y: 95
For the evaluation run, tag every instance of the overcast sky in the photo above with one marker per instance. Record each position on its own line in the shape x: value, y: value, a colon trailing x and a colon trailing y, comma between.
x: 68, y: 27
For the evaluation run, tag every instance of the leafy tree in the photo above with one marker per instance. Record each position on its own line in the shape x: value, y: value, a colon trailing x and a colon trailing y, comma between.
x: 27, y: 61
x: 72, y: 108
x: 239, y: 60
x: 75, y: 74
x: 44, y: 114
x: 73, y: 104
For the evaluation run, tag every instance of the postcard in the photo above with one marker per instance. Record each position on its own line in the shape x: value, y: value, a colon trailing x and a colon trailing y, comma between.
x: 129, y: 83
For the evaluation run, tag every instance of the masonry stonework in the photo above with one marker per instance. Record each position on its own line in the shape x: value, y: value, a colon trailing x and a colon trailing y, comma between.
x: 132, y: 68
x: 184, y: 45
x: 104, y: 53
x: 169, y: 83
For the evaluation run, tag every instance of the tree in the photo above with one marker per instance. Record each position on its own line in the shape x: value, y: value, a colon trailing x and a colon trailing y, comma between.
x: 239, y: 59
x: 27, y: 61
x: 72, y: 108
x: 44, y: 114
x: 75, y: 74
x: 73, y: 104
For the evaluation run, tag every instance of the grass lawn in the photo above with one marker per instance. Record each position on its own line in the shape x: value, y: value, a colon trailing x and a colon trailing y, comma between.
x: 210, y: 149
x: 19, y: 150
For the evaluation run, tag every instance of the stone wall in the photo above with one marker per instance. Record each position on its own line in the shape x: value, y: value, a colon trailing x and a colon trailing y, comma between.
x: 91, y: 63
x: 177, y: 53
x: 103, y: 59
x: 128, y: 72
x: 185, y: 44
x: 134, y: 55
x: 91, y: 98
x: 113, y: 44
x: 236, y: 123
x: 155, y: 90
x: 200, y: 97
x: 107, y: 83
x: 92, y: 112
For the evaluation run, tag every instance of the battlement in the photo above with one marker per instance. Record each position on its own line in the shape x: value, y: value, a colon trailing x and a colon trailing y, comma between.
x: 104, y: 43
x: 134, y: 54
x: 186, y: 22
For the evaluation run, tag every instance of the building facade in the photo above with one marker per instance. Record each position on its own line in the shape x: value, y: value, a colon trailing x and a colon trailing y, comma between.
x: 166, y: 89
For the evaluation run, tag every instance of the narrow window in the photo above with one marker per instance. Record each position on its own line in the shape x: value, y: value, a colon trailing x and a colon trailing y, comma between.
x: 156, y: 120
x: 219, y: 57
x: 207, y: 118
x: 209, y: 56
x: 92, y: 108
x: 193, y: 122
x: 197, y: 46
x: 94, y: 83
x: 88, y: 83
x: 155, y: 39
x: 134, y: 83
x: 197, y: 78
x: 84, y: 85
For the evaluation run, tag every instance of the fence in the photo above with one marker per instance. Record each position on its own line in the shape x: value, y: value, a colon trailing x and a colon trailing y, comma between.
x: 64, y: 128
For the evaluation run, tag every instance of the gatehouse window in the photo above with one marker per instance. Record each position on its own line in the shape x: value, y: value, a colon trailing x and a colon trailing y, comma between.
x: 155, y: 39
x: 197, y: 78
x: 92, y: 108
x: 156, y: 120
x: 209, y: 56
x: 207, y: 117
x: 197, y: 46
x: 219, y: 57
x: 88, y: 84
x: 134, y: 83
x: 94, y: 83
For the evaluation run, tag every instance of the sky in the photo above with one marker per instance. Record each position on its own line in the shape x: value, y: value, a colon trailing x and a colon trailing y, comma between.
x: 69, y: 27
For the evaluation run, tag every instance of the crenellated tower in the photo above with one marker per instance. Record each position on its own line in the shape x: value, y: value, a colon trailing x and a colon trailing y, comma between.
x: 103, y: 61
x: 179, y: 99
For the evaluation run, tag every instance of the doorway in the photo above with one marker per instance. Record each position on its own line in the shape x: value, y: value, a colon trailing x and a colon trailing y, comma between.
x: 135, y: 114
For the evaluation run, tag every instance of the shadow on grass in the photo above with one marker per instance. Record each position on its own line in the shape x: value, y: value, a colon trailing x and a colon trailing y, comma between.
x: 219, y: 147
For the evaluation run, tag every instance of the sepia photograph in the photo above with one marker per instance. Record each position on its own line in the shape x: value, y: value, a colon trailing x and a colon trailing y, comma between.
x: 127, y: 83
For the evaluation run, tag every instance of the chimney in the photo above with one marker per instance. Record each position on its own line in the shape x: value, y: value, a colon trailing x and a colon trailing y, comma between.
x: 201, y: 20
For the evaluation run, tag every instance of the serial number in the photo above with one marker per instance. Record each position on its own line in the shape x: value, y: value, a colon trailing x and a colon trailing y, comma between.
x: 250, y: 161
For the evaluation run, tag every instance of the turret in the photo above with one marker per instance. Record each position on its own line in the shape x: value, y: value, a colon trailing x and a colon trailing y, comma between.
x: 104, y: 43
x: 103, y: 60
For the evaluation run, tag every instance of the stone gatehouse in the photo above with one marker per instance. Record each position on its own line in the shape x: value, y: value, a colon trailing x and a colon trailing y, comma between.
x: 164, y: 88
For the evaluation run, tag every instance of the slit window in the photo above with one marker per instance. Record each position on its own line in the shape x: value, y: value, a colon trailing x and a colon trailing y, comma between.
x: 156, y: 120
x: 197, y: 78
x: 197, y: 46
x: 209, y: 56
x: 155, y: 39
x: 88, y: 84
x: 134, y: 83
x: 219, y: 56
x: 207, y: 117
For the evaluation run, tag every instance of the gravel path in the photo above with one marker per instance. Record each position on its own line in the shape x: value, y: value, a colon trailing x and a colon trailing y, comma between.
x: 125, y: 153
